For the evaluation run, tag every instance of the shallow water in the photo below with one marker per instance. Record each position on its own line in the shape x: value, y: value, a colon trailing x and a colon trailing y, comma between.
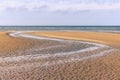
x: 114, y: 29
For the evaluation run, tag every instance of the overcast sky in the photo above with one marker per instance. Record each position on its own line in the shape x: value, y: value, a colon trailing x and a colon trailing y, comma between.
x: 59, y: 12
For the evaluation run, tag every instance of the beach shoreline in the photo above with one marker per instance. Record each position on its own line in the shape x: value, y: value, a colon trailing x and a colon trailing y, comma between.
x: 88, y: 53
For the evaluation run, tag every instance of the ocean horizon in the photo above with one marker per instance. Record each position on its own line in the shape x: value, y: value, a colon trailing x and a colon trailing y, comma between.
x: 115, y: 29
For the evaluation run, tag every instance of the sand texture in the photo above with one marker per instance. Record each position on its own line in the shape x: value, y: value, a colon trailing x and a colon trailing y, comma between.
x: 110, y: 39
x: 59, y: 56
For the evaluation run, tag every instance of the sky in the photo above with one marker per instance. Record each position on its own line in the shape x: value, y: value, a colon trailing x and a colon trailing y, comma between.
x: 59, y: 12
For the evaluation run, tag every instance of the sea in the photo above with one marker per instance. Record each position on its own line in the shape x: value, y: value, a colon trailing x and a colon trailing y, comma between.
x: 114, y: 29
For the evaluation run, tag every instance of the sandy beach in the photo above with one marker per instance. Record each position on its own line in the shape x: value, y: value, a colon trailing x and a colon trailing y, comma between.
x: 111, y: 39
x: 59, y: 55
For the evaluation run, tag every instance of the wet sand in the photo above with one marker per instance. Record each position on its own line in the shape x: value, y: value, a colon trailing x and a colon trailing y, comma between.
x: 111, y: 39
x: 62, y: 57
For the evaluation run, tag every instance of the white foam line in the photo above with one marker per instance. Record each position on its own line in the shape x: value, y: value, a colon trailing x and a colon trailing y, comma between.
x: 77, y: 59
x: 78, y: 51
x: 38, y: 56
x: 14, y: 34
x: 29, y: 57
x: 94, y: 56
x: 21, y: 34
x: 48, y: 63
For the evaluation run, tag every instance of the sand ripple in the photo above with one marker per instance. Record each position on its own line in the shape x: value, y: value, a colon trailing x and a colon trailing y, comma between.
x: 71, y: 49
x: 58, y: 52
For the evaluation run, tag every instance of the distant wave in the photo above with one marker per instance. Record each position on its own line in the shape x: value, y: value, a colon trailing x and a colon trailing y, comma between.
x: 115, y: 29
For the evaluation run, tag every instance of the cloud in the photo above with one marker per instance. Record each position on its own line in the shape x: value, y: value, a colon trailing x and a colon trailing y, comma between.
x: 59, y: 5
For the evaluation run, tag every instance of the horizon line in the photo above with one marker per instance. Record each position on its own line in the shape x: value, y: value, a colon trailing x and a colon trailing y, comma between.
x: 61, y: 25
